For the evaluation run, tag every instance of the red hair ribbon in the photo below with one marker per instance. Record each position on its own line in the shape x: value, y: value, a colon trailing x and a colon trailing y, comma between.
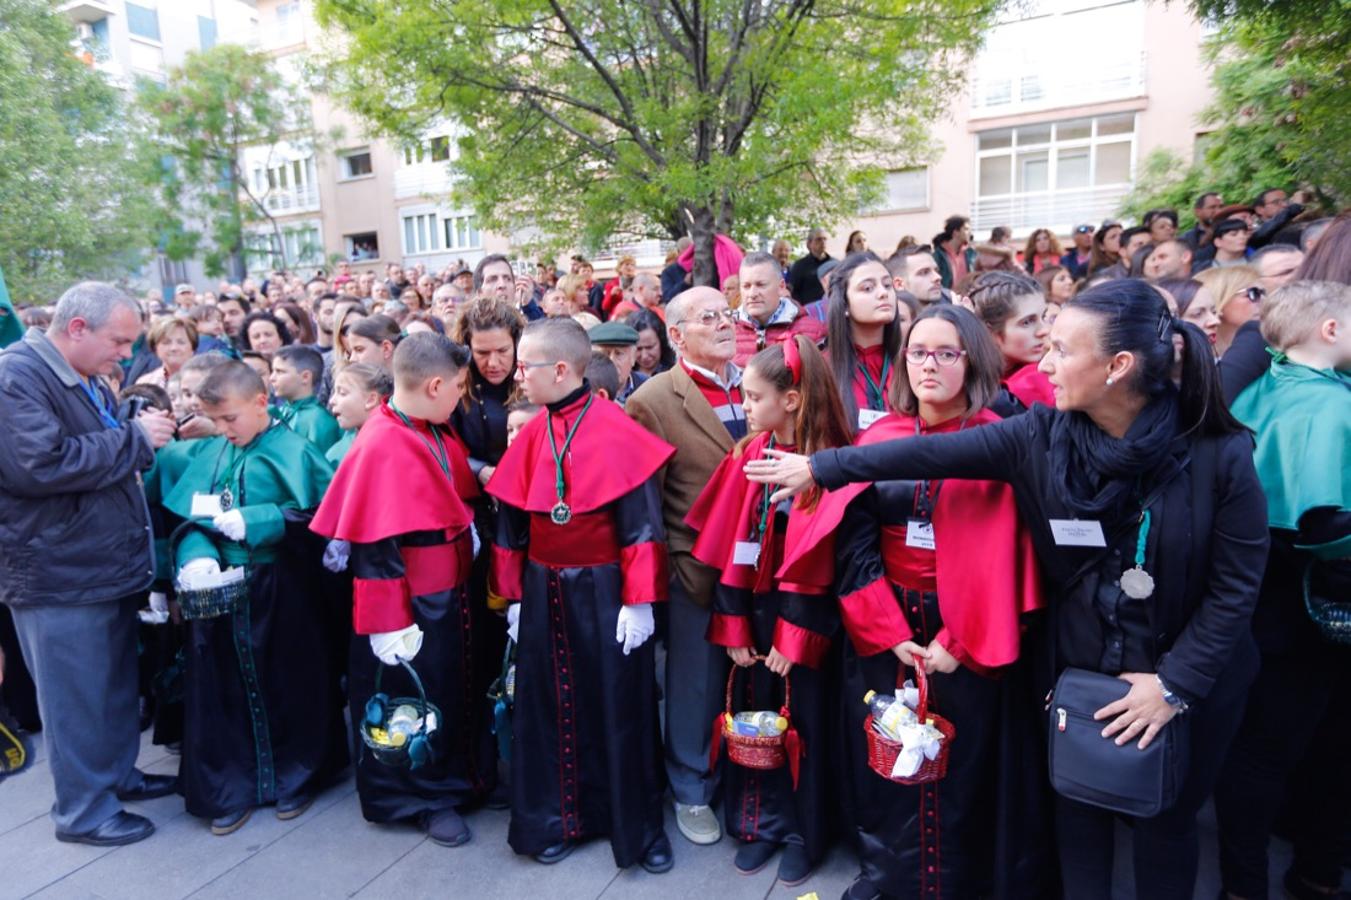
x: 793, y: 359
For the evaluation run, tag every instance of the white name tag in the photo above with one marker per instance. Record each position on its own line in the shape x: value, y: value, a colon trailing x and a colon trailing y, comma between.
x: 1078, y: 533
x: 919, y: 534
x: 206, y: 505
x: 868, y: 416
x: 745, y: 553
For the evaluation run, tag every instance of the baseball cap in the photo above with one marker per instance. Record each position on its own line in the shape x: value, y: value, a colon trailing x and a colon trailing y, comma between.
x: 184, y: 288
x: 1083, y: 229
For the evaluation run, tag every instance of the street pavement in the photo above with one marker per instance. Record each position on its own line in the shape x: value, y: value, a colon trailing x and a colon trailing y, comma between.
x: 332, y: 852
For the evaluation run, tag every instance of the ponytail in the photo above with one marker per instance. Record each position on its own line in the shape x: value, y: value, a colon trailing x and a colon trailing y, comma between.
x: 1201, y: 404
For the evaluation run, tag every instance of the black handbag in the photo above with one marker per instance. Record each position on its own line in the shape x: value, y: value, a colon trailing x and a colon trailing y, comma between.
x: 1089, y: 768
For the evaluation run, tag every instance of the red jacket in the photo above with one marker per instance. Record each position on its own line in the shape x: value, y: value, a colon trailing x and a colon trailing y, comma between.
x: 788, y: 320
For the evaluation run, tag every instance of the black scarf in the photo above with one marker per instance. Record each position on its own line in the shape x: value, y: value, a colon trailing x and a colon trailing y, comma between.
x: 1094, y: 474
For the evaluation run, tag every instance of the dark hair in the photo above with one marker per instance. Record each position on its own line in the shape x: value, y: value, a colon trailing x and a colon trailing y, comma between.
x: 995, y: 293
x: 304, y: 326
x: 378, y: 328
x: 1098, y: 258
x: 1201, y: 200
x: 647, y: 320
x: 426, y: 355
x: 254, y: 354
x: 155, y: 396
x: 1045, y: 277
x: 820, y: 422
x: 839, y: 333
x: 984, y: 362
x: 1160, y: 214
x: 849, y: 242
x: 427, y: 319
x: 899, y: 262
x: 1133, y: 318
x: 232, y: 297
x: 484, y: 263
x: 1183, y: 291
x: 603, y: 374
x: 1137, y: 267
x: 1128, y: 233
x: 1330, y: 259
x: 234, y: 379
x: 1262, y: 196
x: 1000, y: 232
x: 305, y: 359
x: 263, y: 316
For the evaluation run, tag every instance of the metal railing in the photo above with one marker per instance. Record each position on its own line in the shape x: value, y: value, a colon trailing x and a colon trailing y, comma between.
x: 306, y: 198
x: 1057, y: 210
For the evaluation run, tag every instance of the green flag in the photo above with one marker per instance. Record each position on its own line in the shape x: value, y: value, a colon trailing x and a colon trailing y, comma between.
x: 11, y: 329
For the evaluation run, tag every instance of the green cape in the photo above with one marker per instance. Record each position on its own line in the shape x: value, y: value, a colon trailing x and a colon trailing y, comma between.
x: 11, y: 329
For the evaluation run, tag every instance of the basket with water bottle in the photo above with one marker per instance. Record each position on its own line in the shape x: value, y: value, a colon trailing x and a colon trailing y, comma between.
x: 908, y: 743
x: 755, y: 740
x: 397, y: 731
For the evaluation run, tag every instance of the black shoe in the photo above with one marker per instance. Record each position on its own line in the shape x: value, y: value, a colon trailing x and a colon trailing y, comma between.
x: 1297, y: 888
x: 445, y: 827
x: 122, y: 828
x: 151, y: 786
x: 557, y: 853
x: 753, y: 856
x: 292, y: 807
x: 230, y: 822
x: 500, y: 798
x: 862, y: 889
x: 659, y: 858
x: 795, y: 866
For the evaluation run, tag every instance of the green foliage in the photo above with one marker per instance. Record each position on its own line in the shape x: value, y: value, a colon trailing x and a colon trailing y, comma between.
x: 70, y: 205
x: 1282, y: 86
x: 595, y: 118
x: 209, y: 109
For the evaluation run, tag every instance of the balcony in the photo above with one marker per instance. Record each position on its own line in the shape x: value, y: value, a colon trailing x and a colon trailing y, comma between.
x: 304, y: 199
x: 1058, y: 210
x: 87, y: 10
x: 430, y: 180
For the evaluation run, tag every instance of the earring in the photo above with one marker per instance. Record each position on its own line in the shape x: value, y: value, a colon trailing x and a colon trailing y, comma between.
x: 1110, y: 381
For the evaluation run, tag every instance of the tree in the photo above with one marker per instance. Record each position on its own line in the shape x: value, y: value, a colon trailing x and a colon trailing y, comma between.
x: 70, y: 206
x: 209, y: 109
x: 1282, y: 85
x: 587, y: 119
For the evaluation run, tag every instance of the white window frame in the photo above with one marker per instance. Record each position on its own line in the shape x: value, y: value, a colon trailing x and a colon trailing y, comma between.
x: 345, y: 167
x: 426, y: 230
x: 466, y: 220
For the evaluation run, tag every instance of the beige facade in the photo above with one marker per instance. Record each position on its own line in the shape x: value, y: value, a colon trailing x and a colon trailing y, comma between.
x: 1065, y: 99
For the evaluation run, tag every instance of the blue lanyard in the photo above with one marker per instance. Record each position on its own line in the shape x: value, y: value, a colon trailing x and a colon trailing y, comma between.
x: 109, y: 420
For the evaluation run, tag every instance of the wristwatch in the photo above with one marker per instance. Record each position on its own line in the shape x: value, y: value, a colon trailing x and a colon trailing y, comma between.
x: 1173, y: 699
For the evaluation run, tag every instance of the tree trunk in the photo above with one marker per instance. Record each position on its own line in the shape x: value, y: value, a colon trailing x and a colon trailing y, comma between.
x: 702, y: 231
x: 238, y: 268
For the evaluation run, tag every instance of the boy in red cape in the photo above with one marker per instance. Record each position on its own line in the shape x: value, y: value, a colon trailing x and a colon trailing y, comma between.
x: 398, y: 500
x: 580, y: 555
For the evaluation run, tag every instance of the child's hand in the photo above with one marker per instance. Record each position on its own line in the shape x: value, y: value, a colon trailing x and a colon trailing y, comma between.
x: 742, y: 656
x: 777, y: 663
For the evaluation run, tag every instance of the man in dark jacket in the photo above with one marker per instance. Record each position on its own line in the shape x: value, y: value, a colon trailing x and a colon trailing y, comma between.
x: 803, y: 282
x: 75, y: 550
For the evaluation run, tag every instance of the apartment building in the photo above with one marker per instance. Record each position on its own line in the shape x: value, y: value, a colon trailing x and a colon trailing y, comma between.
x: 1063, y: 102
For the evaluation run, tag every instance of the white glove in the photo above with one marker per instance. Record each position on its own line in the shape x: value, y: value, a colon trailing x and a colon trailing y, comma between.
x: 391, y: 646
x: 473, y: 534
x: 230, y: 524
x: 635, y: 626
x: 513, y: 621
x: 336, y: 555
x: 202, y: 566
x: 158, y: 613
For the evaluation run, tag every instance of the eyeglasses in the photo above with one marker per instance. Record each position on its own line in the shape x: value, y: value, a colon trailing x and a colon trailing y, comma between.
x: 709, y: 317
x: 521, y: 365
x: 944, y: 356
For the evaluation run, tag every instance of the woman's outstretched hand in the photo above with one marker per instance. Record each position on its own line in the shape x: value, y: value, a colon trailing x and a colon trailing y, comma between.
x: 789, y: 471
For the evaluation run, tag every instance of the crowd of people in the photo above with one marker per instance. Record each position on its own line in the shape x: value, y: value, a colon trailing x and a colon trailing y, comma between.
x: 436, y: 527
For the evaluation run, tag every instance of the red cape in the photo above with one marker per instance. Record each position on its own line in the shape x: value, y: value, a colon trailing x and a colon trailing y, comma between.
x: 1030, y: 386
x: 986, y: 567
x: 728, y: 510
x: 618, y: 455
x: 390, y: 484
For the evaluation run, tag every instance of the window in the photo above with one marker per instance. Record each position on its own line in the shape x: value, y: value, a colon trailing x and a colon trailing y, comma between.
x: 440, y: 149
x: 301, y: 241
x: 143, y: 21
x: 356, y: 163
x: 287, y: 29
x: 413, y: 155
x: 206, y: 32
x: 905, y: 189
x: 286, y: 184
x: 461, y: 233
x: 420, y: 234
x: 437, y: 150
x: 362, y: 246
x: 1053, y: 174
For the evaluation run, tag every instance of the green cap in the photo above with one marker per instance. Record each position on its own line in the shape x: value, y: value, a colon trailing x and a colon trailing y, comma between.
x: 614, y: 333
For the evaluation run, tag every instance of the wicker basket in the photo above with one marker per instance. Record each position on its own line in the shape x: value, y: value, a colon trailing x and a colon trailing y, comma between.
x: 882, y: 750
x: 214, y: 602
x: 386, y: 753
x: 756, y: 752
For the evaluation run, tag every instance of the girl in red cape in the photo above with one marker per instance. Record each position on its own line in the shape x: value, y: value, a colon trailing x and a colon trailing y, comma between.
x: 1013, y: 308
x: 790, y: 400
x: 935, y: 574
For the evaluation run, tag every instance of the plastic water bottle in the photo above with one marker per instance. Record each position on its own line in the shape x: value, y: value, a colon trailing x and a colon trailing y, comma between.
x: 889, y: 714
x: 759, y: 724
x: 509, y: 686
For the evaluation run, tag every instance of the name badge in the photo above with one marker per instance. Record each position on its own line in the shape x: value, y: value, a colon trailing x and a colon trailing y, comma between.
x: 1078, y: 533
x: 746, y: 553
x: 919, y: 533
x: 206, y: 505
x: 868, y: 416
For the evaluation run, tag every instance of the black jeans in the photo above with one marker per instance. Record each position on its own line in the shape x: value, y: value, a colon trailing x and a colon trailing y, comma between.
x: 1165, y: 847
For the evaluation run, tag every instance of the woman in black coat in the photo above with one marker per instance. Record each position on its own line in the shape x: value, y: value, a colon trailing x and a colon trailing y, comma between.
x: 1122, y: 440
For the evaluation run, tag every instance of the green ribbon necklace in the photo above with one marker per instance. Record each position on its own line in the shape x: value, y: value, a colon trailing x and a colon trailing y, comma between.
x: 561, y: 514
x: 439, y: 452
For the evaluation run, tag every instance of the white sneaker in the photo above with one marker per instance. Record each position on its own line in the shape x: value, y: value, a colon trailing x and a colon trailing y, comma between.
x: 698, y: 823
